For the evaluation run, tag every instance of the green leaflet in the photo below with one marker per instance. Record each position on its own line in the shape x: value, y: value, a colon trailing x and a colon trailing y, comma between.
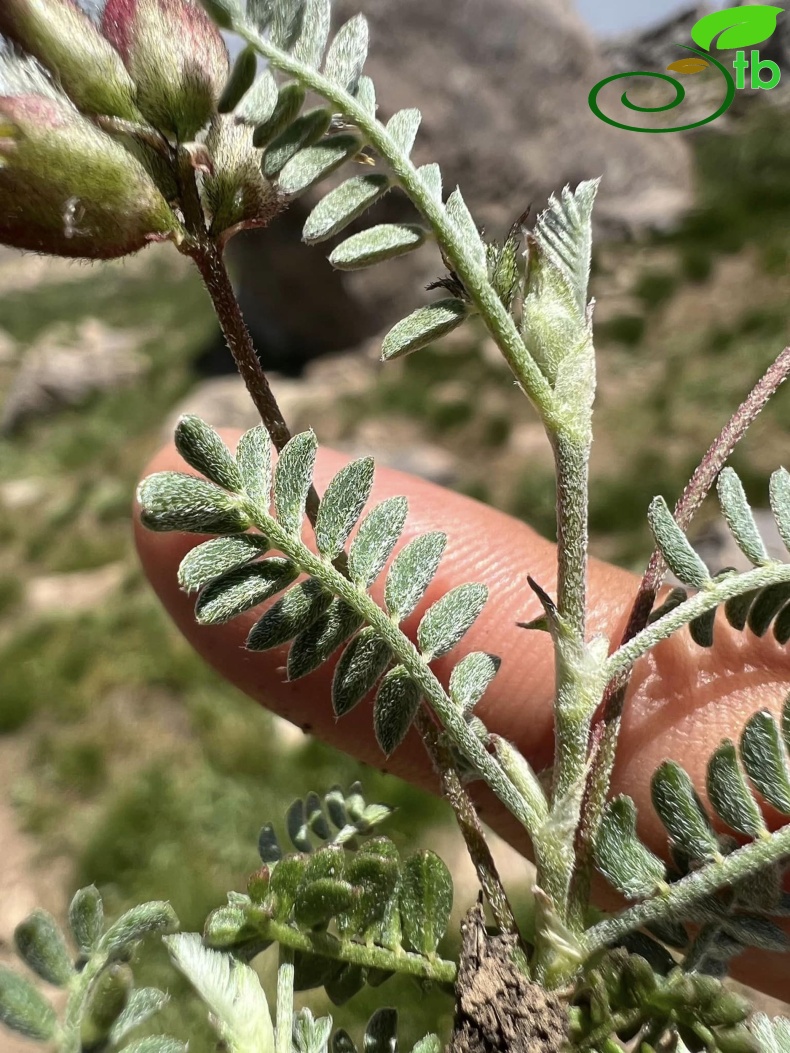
x: 254, y: 458
x: 375, y: 540
x: 366, y: 95
x: 315, y: 163
x: 740, y: 520
x: 303, y: 132
x: 314, y: 645
x: 293, y: 477
x: 397, y: 701
x: 431, y: 176
x: 217, y: 557
x: 359, y: 668
x: 461, y: 217
x: 341, y: 506
x: 143, y: 1003
x: 310, y: 46
x: 779, y: 492
x: 86, y: 918
x: 156, y: 916
x: 24, y: 1009
x: 426, y: 899
x: 730, y: 795
x: 682, y: 813
x: 241, y: 79
x: 621, y: 857
x: 242, y: 589
x: 347, y: 54
x: 295, y: 612
x: 42, y: 946
x: 384, y: 242
x: 176, y: 501
x: 765, y: 760
x: 286, y: 24
x: 412, y: 572
x: 471, y: 677
x: 445, y: 623
x: 423, y: 326
x: 681, y: 558
x: 402, y: 129
x: 343, y: 205
x: 267, y: 107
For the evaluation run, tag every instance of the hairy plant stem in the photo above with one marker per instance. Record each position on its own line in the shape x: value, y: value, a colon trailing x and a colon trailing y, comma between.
x: 283, y: 1034
x: 468, y: 822
x: 406, y: 654
x: 79, y: 992
x: 606, y: 727
x: 681, y: 896
x: 472, y: 273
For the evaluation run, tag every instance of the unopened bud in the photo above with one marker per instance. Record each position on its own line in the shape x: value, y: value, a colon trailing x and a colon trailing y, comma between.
x: 68, y: 189
x: 175, y: 56
x: 62, y: 37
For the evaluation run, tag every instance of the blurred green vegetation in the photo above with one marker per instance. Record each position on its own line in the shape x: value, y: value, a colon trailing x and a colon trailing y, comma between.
x: 146, y: 771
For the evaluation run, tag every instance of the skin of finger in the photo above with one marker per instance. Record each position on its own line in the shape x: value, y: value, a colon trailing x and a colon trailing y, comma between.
x: 682, y: 700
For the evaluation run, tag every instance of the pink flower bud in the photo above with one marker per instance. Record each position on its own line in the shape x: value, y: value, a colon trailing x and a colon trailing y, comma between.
x: 68, y: 189
x: 176, y: 57
x: 62, y: 37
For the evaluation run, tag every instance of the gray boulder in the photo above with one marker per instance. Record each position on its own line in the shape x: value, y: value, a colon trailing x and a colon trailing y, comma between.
x: 503, y: 89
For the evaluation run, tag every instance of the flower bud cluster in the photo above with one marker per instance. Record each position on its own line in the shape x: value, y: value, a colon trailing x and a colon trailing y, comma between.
x: 98, y: 123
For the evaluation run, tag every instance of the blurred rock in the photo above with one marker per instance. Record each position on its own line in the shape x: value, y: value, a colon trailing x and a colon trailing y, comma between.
x: 58, y: 372
x: 70, y: 593
x: 8, y: 348
x: 503, y: 90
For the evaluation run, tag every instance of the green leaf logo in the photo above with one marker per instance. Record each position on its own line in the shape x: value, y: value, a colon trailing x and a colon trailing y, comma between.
x: 742, y: 27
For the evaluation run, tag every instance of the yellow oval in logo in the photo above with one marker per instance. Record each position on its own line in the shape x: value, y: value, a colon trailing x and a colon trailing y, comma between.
x: 688, y: 65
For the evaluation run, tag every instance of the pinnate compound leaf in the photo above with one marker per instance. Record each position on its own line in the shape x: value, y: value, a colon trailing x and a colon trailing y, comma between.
x: 426, y: 899
x: 384, y: 242
x: 445, y: 623
x: 23, y: 1008
x: 203, y: 449
x: 431, y: 176
x: 681, y: 558
x: 242, y: 589
x: 313, y: 164
x: 316, y: 644
x: 471, y: 677
x: 86, y: 918
x: 765, y: 760
x: 742, y: 27
x: 42, y: 947
x: 780, y: 503
x: 295, y: 612
x: 254, y: 458
x: 292, y: 479
x: 143, y: 1003
x: 729, y: 793
x: 241, y: 79
x: 341, y: 506
x: 402, y: 129
x: 682, y: 812
x: 347, y: 54
x: 217, y: 557
x: 422, y: 327
x: 376, y: 538
x: 301, y: 133
x: 312, y: 41
x: 176, y: 501
x: 740, y: 520
x: 461, y: 217
x: 412, y: 572
x: 397, y: 701
x: 268, y: 108
x: 342, y: 205
x: 621, y: 857
x: 231, y: 990
x: 359, y: 668
x: 381, y: 1033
